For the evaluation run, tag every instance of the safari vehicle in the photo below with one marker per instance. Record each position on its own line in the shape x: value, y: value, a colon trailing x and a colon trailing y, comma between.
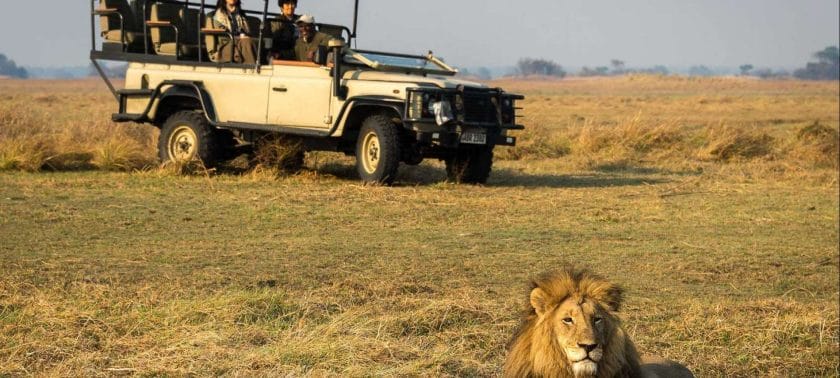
x: 383, y: 108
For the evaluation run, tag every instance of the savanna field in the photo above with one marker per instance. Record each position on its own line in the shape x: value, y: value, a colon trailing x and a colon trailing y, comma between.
x: 713, y: 202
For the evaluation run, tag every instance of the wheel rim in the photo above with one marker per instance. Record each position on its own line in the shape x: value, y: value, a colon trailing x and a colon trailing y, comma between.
x: 182, y: 144
x: 370, y: 152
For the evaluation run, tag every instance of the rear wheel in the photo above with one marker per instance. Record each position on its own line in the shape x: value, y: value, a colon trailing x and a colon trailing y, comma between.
x: 187, y: 136
x: 378, y: 150
x: 470, y: 166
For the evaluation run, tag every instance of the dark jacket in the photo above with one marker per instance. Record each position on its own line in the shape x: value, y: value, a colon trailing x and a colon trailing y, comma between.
x: 284, y: 36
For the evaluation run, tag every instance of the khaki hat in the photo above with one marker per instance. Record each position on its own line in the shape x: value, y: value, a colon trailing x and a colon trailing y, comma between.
x: 306, y: 19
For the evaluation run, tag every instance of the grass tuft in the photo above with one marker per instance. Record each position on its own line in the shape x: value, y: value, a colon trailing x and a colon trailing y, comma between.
x: 120, y: 154
x: 730, y: 143
x: 819, y: 144
x: 27, y: 153
x: 284, y: 153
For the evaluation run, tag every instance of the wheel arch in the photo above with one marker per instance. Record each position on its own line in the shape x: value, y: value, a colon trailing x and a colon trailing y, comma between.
x: 183, y: 96
x: 362, y: 108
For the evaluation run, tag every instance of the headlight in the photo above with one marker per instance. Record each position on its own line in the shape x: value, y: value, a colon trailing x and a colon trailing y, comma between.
x: 442, y: 110
x: 508, y: 111
x: 415, y: 105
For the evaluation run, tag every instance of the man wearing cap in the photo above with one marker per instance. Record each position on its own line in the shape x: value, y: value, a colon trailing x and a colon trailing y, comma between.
x: 285, y: 35
x: 310, y: 39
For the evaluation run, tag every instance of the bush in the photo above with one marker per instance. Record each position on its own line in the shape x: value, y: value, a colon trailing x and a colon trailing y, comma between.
x: 827, y: 66
x: 528, y: 66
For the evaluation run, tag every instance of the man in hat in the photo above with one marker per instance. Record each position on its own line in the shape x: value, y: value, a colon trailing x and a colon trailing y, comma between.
x: 285, y: 34
x: 310, y: 39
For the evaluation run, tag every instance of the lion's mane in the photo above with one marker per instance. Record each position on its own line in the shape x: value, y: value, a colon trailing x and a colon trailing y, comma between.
x: 534, y: 352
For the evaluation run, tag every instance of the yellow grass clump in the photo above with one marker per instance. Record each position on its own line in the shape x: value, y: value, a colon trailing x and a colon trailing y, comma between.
x: 67, y: 129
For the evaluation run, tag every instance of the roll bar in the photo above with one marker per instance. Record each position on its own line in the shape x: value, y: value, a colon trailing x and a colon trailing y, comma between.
x: 126, y: 55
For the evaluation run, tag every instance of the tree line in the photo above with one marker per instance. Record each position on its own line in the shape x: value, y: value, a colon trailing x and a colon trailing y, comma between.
x: 826, y: 67
x: 10, y: 68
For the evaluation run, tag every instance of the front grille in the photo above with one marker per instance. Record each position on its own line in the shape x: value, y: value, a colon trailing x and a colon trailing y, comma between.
x: 480, y: 107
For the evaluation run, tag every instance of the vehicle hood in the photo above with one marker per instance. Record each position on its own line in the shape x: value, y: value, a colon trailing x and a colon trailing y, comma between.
x: 437, y: 81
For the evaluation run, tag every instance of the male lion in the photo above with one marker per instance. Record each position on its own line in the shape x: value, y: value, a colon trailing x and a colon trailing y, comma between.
x: 571, y: 329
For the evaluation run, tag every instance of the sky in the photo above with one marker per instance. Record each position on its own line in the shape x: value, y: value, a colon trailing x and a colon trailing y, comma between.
x: 473, y: 33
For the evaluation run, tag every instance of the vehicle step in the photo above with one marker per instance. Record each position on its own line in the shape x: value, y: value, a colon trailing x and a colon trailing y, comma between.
x: 135, y: 92
x: 126, y: 117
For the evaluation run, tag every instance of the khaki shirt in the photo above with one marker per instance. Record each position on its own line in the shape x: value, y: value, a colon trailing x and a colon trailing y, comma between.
x: 303, y: 48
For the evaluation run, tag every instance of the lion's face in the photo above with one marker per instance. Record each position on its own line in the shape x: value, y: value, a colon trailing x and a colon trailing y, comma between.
x: 580, y: 329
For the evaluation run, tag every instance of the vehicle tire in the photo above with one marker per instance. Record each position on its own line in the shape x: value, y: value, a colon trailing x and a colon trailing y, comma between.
x: 187, y: 136
x: 378, y: 150
x: 470, y: 166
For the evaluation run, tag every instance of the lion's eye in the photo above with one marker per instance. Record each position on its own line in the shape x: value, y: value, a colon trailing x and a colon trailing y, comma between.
x: 568, y: 320
x: 598, y: 320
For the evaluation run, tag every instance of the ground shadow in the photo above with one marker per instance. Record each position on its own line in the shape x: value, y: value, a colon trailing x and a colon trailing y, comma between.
x: 625, y: 168
x: 423, y: 175
x: 513, y: 178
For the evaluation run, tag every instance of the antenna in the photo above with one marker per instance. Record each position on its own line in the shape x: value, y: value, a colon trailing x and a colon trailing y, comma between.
x: 355, y: 19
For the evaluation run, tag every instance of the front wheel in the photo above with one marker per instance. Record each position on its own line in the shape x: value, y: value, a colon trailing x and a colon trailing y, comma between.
x: 378, y: 150
x: 470, y: 166
x: 186, y: 136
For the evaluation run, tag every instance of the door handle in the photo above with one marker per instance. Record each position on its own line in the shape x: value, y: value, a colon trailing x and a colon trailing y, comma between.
x: 279, y: 89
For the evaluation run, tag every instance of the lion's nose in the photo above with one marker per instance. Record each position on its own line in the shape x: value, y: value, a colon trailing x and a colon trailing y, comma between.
x: 588, y: 347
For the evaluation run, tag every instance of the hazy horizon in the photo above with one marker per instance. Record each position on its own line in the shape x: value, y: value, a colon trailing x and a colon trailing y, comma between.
x: 468, y: 33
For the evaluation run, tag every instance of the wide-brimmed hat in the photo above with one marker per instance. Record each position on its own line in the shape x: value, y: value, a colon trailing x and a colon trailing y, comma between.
x: 306, y: 19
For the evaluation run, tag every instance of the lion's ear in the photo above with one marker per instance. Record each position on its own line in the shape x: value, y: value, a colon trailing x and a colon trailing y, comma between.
x: 539, y: 300
x: 614, y: 297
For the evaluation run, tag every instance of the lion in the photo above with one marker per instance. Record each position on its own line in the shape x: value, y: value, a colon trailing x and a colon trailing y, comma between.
x: 571, y: 329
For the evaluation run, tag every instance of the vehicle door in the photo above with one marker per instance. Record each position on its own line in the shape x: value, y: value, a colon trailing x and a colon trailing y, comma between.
x: 300, y: 95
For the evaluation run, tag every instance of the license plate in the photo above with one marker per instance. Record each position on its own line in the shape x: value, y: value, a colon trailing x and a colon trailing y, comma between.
x: 473, y: 138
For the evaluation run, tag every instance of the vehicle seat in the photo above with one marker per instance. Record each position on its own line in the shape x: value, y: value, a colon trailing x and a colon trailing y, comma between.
x: 335, y: 31
x: 165, y: 19
x: 254, y: 25
x: 212, y: 37
x: 110, y: 13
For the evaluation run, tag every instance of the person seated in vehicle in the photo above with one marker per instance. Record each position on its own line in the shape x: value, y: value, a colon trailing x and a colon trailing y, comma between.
x: 284, y: 37
x: 309, y: 40
x: 243, y: 49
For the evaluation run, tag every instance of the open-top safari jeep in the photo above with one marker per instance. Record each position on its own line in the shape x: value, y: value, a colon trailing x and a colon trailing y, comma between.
x: 384, y: 108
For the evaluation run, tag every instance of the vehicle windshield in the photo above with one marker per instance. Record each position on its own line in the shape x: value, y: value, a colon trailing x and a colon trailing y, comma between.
x: 399, y: 62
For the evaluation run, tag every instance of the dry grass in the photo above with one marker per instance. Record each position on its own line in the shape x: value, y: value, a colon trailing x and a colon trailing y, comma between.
x: 676, y: 122
x: 640, y: 120
x: 63, y: 125
x: 714, y: 202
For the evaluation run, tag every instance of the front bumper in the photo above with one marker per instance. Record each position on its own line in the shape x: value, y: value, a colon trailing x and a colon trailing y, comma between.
x: 479, y: 116
x: 453, y: 139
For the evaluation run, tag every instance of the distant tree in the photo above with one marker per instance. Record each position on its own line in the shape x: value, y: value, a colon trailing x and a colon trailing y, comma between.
x: 9, y: 68
x: 767, y: 73
x: 597, y: 71
x: 660, y: 70
x: 745, y: 69
x: 528, y: 66
x: 700, y: 71
x: 827, y: 66
x: 830, y: 55
x: 618, y: 66
x: 655, y: 70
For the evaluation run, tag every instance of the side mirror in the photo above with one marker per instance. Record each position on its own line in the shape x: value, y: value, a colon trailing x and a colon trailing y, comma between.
x: 320, y: 57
